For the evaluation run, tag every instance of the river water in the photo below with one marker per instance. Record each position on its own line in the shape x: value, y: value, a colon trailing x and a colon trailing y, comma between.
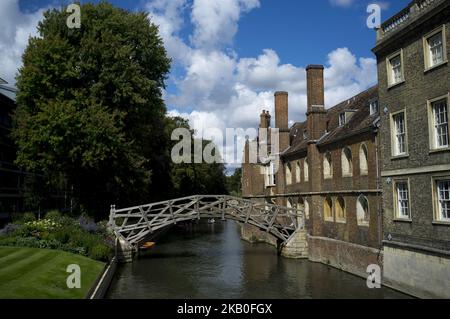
x: 211, y: 261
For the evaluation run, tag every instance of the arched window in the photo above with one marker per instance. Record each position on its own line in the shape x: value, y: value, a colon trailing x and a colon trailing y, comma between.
x: 306, y: 170
x: 327, y: 166
x: 303, y: 205
x: 288, y: 174
x: 362, y: 211
x: 363, y: 160
x: 340, y: 209
x: 328, y: 209
x: 346, y: 159
x: 298, y: 172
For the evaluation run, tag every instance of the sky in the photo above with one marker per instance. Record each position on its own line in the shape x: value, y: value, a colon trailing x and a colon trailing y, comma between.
x: 230, y: 56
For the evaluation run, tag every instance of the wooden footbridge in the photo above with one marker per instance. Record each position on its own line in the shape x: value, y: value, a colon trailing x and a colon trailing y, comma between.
x: 134, y: 225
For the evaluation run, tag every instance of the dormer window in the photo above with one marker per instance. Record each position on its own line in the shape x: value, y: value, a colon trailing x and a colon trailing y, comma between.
x: 342, y: 119
x: 374, y: 107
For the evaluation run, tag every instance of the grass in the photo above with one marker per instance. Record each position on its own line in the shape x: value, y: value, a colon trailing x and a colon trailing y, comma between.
x: 32, y: 273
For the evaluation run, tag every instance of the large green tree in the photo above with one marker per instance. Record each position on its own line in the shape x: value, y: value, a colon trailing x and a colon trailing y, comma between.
x: 90, y: 108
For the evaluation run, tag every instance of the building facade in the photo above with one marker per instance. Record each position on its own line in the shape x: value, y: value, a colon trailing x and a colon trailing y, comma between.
x: 327, y: 167
x: 414, y: 83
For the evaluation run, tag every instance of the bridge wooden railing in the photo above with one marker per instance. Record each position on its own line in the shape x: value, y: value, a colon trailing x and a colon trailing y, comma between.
x: 134, y: 224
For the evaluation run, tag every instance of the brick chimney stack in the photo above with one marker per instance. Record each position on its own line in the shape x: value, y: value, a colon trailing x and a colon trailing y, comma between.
x: 316, y: 102
x: 281, y: 110
x: 315, y: 86
x: 265, y: 119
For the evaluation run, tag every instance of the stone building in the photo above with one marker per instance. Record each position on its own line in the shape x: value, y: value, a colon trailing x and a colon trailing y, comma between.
x: 412, y: 51
x: 327, y: 166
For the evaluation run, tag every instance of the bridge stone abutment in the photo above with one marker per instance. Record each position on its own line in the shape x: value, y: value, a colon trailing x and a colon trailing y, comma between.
x: 297, y: 246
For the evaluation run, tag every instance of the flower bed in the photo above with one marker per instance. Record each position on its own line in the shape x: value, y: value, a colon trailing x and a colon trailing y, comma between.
x: 80, y: 236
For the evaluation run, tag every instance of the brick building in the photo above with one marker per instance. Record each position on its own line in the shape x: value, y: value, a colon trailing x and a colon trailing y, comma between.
x: 373, y: 172
x: 327, y: 165
x: 412, y: 51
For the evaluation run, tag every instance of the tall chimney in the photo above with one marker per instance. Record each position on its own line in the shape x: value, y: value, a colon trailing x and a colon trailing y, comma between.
x: 315, y: 87
x: 265, y: 119
x: 281, y: 110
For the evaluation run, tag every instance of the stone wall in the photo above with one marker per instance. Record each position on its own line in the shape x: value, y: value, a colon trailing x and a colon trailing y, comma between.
x: 253, y: 234
x: 421, y: 275
x: 343, y: 255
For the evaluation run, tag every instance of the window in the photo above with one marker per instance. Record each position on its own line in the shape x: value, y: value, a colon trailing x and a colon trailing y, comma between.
x: 287, y: 168
x: 363, y: 160
x: 306, y: 170
x: 340, y: 209
x: 342, y: 119
x: 362, y: 211
x: 399, y: 134
x: 374, y: 108
x: 328, y: 209
x: 395, y: 69
x: 327, y: 166
x: 443, y: 200
x: 306, y: 203
x: 439, y: 128
x: 434, y: 48
x: 298, y: 172
x: 346, y: 160
x: 401, y: 204
x: 270, y: 175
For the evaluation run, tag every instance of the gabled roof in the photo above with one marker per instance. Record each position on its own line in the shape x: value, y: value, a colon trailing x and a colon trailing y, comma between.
x: 9, y: 92
x: 360, y: 121
x: 3, y: 81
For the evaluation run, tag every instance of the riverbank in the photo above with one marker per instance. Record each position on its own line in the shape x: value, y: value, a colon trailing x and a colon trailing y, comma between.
x: 27, y: 273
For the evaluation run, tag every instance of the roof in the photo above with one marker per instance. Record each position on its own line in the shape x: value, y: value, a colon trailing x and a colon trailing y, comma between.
x: 360, y: 121
x: 3, y: 81
x: 9, y: 92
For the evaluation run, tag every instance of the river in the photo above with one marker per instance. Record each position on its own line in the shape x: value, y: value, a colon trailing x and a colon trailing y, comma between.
x: 211, y: 261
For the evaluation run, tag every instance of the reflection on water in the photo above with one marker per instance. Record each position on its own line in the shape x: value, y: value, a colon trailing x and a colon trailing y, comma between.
x: 211, y: 261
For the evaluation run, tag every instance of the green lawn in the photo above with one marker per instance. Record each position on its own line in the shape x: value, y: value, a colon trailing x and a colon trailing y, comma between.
x: 41, y: 273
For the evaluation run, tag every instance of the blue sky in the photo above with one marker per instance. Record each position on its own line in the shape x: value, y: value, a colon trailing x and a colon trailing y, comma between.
x: 230, y: 56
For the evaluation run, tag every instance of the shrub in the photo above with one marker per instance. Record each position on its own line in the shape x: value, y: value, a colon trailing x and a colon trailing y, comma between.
x: 28, y: 217
x: 10, y: 229
x: 87, y: 224
x: 100, y: 252
x: 53, y: 215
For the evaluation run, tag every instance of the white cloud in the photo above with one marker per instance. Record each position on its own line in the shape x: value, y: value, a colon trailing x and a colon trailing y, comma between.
x: 216, y: 21
x: 15, y: 29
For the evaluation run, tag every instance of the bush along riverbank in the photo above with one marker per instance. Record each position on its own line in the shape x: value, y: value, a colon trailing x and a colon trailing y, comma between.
x: 80, y: 236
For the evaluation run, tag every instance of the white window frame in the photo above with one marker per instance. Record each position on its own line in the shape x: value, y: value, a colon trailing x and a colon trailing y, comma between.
x: 395, y: 135
x: 374, y: 107
x: 433, y: 126
x: 342, y: 119
x: 438, y: 200
x: 399, y: 200
x: 390, y: 70
x: 270, y: 175
x: 429, y: 65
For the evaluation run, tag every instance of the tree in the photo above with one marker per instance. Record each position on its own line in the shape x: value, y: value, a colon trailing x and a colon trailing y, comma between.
x: 90, y: 108
x: 233, y: 183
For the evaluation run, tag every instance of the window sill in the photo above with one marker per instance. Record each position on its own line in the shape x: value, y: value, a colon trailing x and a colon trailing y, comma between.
x: 439, y: 150
x: 329, y: 220
x: 402, y: 220
x: 399, y: 157
x: 347, y: 175
x: 341, y: 221
x: 393, y: 85
x: 441, y: 223
x: 431, y: 68
x: 363, y: 224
